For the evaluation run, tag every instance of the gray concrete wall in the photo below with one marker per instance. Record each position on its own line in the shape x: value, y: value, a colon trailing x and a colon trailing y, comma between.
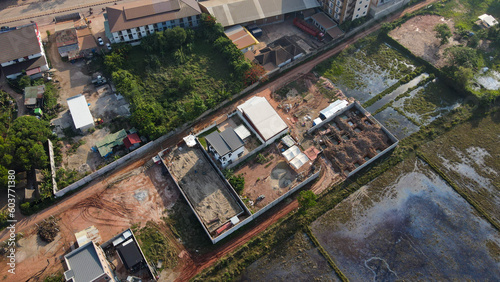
x: 52, y: 166
x: 130, y: 156
x: 266, y: 208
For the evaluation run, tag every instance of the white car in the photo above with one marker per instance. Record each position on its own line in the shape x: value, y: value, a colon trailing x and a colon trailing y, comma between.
x: 109, y: 46
x: 100, y: 41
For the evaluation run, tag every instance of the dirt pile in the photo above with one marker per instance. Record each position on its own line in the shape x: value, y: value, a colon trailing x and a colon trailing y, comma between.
x: 48, y: 230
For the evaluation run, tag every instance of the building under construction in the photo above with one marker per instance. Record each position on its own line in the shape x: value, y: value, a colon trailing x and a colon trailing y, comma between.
x: 213, y: 200
x: 351, y: 139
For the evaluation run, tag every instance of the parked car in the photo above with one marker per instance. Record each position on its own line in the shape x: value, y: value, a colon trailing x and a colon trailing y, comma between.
x: 109, y: 46
x: 257, y: 32
x: 100, y: 41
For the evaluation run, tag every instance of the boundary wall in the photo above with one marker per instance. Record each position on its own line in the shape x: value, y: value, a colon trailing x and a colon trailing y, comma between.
x: 371, y: 118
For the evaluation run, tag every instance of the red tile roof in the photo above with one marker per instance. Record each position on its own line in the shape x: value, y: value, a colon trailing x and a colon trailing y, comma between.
x: 131, y: 139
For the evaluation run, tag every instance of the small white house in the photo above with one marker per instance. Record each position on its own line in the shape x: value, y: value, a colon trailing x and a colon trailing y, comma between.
x: 226, y: 146
x: 80, y: 112
x: 488, y: 20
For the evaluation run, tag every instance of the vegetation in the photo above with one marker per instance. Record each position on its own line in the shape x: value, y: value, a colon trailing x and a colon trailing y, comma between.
x: 181, y: 75
x: 48, y: 230
x: 306, y: 199
x: 370, y: 56
x: 237, y: 181
x: 443, y: 32
x: 22, y: 148
x: 156, y: 247
x: 58, y: 277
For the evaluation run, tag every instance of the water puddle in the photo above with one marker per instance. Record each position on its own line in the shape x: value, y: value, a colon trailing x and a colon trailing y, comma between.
x: 428, y: 102
x: 466, y: 167
x: 398, y: 91
x: 396, y: 123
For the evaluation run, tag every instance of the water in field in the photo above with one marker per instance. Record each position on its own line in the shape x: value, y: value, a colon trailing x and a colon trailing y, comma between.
x: 409, y: 224
x: 398, y: 91
x: 428, y: 102
x: 396, y: 123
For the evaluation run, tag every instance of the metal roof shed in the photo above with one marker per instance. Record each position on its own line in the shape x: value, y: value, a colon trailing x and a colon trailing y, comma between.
x: 333, y: 108
x: 299, y: 160
x: 80, y: 112
x: 32, y: 93
x: 263, y: 117
x: 242, y: 132
x: 291, y: 153
x: 129, y: 254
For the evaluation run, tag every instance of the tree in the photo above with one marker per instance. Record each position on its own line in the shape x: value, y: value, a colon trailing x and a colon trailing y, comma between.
x: 113, y: 62
x: 253, y: 74
x: 306, y: 200
x: 443, y: 32
x: 23, y: 146
x: 24, y: 82
x: 463, y: 76
x: 176, y: 36
x: 460, y: 56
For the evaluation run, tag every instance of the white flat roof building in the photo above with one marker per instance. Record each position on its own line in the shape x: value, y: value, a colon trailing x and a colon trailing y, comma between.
x: 80, y: 112
x: 488, y: 20
x: 264, y: 119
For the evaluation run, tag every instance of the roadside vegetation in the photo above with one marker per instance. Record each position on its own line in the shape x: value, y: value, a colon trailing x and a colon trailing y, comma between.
x: 176, y: 75
x: 156, y: 247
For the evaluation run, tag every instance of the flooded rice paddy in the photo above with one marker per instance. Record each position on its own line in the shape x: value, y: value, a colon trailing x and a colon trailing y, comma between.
x: 469, y: 154
x: 398, y: 91
x: 297, y: 260
x: 408, y: 224
x: 366, y: 70
x: 416, y: 108
x: 396, y: 123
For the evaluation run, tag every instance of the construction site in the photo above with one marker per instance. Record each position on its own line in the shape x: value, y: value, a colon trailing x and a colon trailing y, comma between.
x: 351, y: 139
x: 213, y: 200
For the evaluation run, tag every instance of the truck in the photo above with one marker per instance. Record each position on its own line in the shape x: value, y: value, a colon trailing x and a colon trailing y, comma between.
x: 309, y: 28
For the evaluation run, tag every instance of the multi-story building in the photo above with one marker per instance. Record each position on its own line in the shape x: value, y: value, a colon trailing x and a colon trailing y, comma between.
x: 22, y: 52
x: 346, y: 10
x: 131, y: 21
x: 380, y: 8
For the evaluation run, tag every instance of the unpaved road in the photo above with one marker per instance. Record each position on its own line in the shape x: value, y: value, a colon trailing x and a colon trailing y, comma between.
x: 198, y: 263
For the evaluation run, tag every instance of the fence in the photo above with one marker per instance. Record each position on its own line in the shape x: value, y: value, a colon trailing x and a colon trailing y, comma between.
x: 240, y: 160
x: 266, y: 208
x: 52, y: 166
x: 137, y: 153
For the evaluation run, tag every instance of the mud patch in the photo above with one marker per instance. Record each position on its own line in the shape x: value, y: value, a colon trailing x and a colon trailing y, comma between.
x: 296, y: 260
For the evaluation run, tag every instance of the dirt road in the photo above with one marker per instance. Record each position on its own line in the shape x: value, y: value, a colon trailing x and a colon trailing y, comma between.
x: 197, y: 264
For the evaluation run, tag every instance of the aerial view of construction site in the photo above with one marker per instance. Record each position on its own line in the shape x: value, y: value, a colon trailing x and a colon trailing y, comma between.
x: 249, y: 140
